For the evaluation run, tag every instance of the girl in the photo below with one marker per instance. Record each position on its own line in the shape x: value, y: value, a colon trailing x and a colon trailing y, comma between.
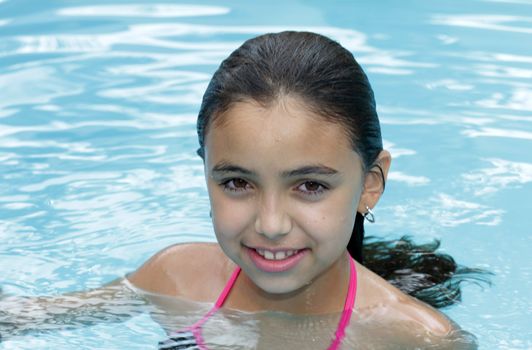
x: 294, y: 164
x: 293, y: 158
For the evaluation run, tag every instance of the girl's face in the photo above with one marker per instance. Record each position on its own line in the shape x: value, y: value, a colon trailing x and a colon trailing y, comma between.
x: 284, y: 186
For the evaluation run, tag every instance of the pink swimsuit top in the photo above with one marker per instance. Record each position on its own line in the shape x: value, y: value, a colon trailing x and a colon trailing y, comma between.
x: 190, y: 338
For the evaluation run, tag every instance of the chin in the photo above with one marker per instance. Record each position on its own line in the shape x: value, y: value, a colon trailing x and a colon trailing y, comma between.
x: 279, y: 285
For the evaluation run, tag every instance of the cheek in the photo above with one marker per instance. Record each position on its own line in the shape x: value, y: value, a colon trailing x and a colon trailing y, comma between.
x: 230, y: 218
x: 332, y: 220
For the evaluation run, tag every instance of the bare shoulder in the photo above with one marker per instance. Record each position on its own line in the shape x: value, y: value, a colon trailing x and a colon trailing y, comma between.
x: 378, y: 296
x: 191, y: 270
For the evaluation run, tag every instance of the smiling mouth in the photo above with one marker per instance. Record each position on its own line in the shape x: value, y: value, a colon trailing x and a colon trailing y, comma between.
x: 273, y: 261
x: 277, y: 255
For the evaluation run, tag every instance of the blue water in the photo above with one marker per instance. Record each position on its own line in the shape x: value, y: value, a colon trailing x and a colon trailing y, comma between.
x: 97, y: 140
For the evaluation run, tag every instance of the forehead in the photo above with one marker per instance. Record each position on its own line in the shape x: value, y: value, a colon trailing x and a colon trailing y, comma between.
x: 285, y: 133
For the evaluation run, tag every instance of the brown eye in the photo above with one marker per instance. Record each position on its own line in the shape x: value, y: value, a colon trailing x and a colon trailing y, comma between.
x: 239, y: 183
x: 236, y: 185
x: 312, y: 188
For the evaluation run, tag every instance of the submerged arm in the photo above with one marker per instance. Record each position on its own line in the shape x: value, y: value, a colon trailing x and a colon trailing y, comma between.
x: 114, y: 302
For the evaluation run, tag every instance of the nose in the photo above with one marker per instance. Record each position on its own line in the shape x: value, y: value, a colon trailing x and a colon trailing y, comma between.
x: 272, y: 220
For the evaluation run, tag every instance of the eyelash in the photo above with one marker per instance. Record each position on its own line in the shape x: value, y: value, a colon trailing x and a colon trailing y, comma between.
x: 225, y: 185
x: 231, y: 188
x: 321, y: 188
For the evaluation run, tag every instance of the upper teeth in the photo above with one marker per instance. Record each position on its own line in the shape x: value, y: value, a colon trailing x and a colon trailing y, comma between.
x: 280, y: 255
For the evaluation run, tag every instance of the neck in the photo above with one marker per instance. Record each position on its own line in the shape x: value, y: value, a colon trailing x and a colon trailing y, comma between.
x: 325, y: 294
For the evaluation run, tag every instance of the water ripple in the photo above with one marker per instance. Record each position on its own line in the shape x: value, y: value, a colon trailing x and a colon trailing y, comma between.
x: 45, y: 84
x: 155, y: 10
x: 410, y: 180
x: 499, y: 176
x: 442, y: 211
x: 496, y: 132
x: 485, y: 21
x: 520, y: 100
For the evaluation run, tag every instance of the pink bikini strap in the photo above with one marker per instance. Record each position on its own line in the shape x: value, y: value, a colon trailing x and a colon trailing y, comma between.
x: 227, y: 288
x: 196, y: 327
x: 348, y: 307
x: 342, y: 324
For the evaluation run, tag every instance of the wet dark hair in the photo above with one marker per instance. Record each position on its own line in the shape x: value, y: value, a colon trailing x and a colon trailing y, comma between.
x: 326, y: 76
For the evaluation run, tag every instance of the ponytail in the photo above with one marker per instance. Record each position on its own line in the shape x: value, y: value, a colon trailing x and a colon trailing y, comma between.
x: 416, y: 269
x: 354, y: 247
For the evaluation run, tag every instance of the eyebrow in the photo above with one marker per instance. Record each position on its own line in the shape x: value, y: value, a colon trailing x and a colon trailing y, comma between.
x: 318, y: 169
x: 224, y: 167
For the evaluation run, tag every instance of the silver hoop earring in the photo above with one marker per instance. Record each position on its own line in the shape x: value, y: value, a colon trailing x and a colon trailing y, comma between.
x: 368, y: 215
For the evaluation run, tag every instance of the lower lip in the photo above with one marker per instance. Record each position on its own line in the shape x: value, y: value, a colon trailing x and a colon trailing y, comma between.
x: 276, y: 265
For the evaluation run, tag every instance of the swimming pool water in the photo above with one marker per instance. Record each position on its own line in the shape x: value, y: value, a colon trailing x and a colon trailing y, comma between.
x: 98, y: 170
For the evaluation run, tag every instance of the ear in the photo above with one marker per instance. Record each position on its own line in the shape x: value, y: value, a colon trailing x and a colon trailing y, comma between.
x: 373, y: 182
